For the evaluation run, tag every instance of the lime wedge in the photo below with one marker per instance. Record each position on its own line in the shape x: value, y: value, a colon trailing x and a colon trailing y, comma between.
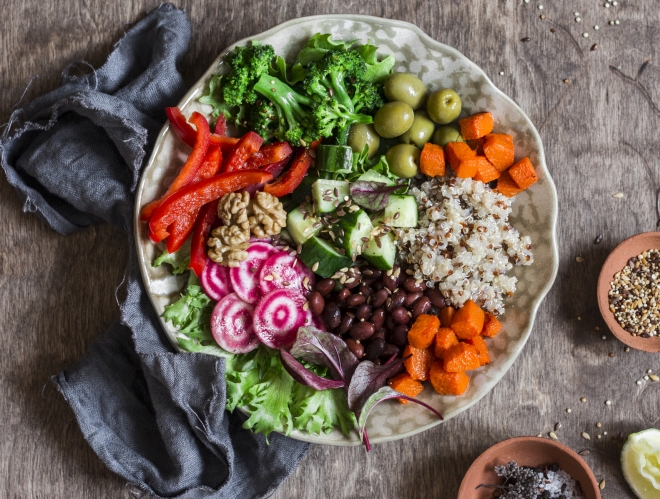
x: 640, y: 463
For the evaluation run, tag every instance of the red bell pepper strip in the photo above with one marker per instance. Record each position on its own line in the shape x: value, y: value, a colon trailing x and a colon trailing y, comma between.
x: 185, y: 203
x: 246, y: 147
x: 211, y: 165
x: 315, y: 144
x: 270, y: 153
x: 203, y: 224
x: 287, y: 182
x: 180, y: 231
x: 276, y: 168
x: 188, y: 134
x: 187, y: 174
x: 224, y: 142
x: 220, y: 126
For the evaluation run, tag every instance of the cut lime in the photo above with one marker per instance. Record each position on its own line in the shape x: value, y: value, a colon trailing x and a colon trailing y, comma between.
x: 640, y: 463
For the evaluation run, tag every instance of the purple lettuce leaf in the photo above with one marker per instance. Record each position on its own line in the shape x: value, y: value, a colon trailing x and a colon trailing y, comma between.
x: 371, y: 195
x: 304, y: 376
x: 385, y: 393
x: 325, y: 349
x: 367, y: 379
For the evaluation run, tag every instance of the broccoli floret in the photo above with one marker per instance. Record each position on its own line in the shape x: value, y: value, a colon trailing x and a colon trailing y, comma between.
x: 296, y: 120
x: 332, y: 115
x: 367, y: 97
x: 246, y: 65
x: 264, y: 118
x: 334, y: 77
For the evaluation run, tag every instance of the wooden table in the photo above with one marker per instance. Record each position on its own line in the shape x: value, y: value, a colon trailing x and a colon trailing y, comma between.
x: 598, y: 112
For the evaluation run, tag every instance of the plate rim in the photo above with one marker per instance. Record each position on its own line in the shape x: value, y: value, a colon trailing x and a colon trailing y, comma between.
x: 433, y: 44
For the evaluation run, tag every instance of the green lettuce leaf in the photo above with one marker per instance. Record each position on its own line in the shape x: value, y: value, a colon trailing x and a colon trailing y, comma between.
x: 179, y: 260
x: 317, y: 411
x: 376, y: 70
x: 317, y: 46
x: 216, y: 100
x: 279, y: 69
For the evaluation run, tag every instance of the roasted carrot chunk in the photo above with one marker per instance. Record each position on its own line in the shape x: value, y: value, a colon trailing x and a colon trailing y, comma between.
x: 455, y: 152
x: 445, y: 338
x: 468, y: 321
x: 467, y: 168
x: 446, y: 315
x: 423, y: 331
x: 432, y: 160
x: 403, y: 383
x: 491, y: 326
x: 479, y: 344
x: 523, y: 173
x: 419, y: 363
x: 486, y: 172
x: 461, y: 357
x: 499, y: 149
x: 507, y: 186
x: 446, y: 383
x: 476, y: 126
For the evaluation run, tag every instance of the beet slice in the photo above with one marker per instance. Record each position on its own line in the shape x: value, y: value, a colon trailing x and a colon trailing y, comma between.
x: 278, y: 316
x: 215, y: 280
x: 231, y: 325
x: 245, y: 278
x: 285, y: 271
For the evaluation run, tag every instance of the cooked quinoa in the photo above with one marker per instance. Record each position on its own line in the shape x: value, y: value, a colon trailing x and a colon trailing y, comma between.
x: 463, y: 243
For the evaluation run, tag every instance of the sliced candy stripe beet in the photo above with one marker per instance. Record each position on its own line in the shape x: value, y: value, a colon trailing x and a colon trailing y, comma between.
x: 284, y: 271
x: 245, y: 277
x: 231, y: 325
x: 215, y: 280
x: 278, y: 316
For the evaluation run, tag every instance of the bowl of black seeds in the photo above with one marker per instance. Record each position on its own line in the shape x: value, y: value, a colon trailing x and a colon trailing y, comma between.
x: 629, y: 292
x: 529, y: 468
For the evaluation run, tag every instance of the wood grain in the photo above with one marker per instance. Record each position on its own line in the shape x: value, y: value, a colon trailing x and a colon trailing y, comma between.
x: 600, y: 135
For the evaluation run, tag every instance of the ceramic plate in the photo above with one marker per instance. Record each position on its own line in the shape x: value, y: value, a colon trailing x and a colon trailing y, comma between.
x: 534, y: 210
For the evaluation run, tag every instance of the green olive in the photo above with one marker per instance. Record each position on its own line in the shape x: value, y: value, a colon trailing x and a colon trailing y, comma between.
x: 446, y: 134
x: 403, y: 160
x: 361, y: 135
x: 393, y: 119
x: 444, y: 106
x: 406, y: 88
x: 420, y: 131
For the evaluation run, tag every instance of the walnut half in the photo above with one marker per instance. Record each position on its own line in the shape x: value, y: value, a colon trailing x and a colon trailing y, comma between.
x: 228, y: 245
x: 268, y: 215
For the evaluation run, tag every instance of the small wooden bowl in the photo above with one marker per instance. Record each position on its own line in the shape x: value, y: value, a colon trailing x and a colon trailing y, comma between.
x: 525, y: 451
x: 615, y: 262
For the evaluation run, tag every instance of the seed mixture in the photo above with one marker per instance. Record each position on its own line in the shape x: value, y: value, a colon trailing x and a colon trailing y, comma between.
x: 545, y: 482
x: 634, y: 296
x: 464, y: 243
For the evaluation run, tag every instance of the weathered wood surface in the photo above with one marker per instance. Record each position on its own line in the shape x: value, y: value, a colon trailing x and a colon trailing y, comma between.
x: 600, y: 135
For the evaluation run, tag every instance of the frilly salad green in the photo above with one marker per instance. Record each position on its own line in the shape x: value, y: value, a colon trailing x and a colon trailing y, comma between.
x: 640, y: 463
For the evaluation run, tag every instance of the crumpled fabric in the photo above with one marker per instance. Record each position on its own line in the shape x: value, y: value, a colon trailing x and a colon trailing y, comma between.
x: 154, y: 416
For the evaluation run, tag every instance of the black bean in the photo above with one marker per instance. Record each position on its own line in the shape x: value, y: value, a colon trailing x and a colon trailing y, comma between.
x: 362, y: 331
x: 352, y: 284
x: 355, y: 300
x: 389, y: 323
x: 412, y: 298
x: 393, y: 280
x: 372, y: 273
x: 378, y: 318
x: 378, y: 285
x: 316, y: 302
x: 365, y: 290
x: 400, y: 315
x: 436, y: 297
x: 325, y: 286
x: 332, y: 315
x: 363, y: 311
x: 400, y: 335
x: 412, y: 285
x: 389, y: 350
x: 381, y: 333
x: 342, y: 295
x: 379, y: 297
x: 356, y: 348
x: 421, y: 306
x: 374, y: 348
x: 396, y: 300
x: 345, y: 324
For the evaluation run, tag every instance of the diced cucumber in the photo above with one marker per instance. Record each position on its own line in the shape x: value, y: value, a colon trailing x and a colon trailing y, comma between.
x: 323, y: 194
x: 355, y: 225
x: 401, y: 211
x: 381, y: 257
x: 301, y: 227
x: 372, y: 176
x: 322, y: 258
x: 334, y: 158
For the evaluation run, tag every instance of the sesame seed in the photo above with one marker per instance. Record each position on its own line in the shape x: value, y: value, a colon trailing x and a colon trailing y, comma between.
x: 654, y: 377
x: 552, y: 435
x: 584, y: 453
x: 565, y: 80
x: 645, y: 378
x: 601, y: 485
x: 616, y: 22
x: 578, y: 19
x: 615, y: 3
x: 607, y: 5
x: 596, y: 27
x: 568, y: 411
x: 557, y: 426
x: 315, y: 267
x: 604, y: 433
x: 501, y: 73
x: 639, y: 381
x: 540, y: 7
x: 598, y: 425
x: 576, y: 14
x: 608, y: 402
x: 585, y: 435
x: 611, y: 23
x: 268, y: 278
x: 306, y: 306
x: 585, y: 35
x: 603, y: 337
x: 583, y: 399
x: 599, y: 436
x: 649, y: 371
x: 627, y: 349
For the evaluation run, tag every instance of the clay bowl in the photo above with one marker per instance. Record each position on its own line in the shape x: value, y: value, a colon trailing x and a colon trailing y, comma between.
x: 525, y: 451
x: 615, y: 262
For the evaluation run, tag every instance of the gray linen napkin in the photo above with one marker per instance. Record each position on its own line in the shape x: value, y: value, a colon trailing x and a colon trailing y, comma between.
x: 153, y: 416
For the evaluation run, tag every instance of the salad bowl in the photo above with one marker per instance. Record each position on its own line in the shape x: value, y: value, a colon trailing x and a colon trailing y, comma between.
x: 438, y: 66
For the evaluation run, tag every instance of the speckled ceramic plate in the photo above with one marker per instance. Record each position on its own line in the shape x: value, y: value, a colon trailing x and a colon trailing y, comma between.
x: 534, y: 210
